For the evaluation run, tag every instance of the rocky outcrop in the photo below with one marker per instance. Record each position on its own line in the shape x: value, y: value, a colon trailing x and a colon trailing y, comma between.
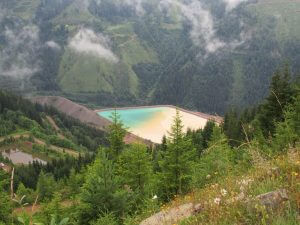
x: 273, y: 199
x: 173, y: 215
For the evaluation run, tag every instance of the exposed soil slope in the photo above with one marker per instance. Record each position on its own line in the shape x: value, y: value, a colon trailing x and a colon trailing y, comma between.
x: 73, y: 109
x: 81, y: 113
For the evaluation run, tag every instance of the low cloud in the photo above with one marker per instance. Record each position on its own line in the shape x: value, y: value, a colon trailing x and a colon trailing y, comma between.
x: 88, y: 42
x: 231, y: 4
x: 18, y: 57
x: 196, y: 12
x: 53, y: 45
x: 203, y: 31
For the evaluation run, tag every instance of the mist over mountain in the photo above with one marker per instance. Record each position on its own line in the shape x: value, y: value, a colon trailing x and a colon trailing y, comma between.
x: 200, y: 54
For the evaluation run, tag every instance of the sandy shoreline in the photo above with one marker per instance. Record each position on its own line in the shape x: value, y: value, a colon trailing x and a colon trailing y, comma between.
x: 158, y: 126
x: 215, y: 118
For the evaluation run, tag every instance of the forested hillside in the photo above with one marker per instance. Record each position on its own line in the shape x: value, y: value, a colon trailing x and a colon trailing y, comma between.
x: 62, y: 142
x: 198, y: 54
x: 245, y: 171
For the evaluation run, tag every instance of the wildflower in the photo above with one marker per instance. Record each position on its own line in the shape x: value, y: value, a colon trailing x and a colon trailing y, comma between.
x: 154, y: 197
x: 294, y: 174
x: 217, y: 201
x: 208, y: 176
x: 215, y: 185
x: 223, y: 192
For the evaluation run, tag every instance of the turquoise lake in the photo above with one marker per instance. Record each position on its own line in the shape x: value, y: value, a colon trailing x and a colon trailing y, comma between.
x: 133, y: 117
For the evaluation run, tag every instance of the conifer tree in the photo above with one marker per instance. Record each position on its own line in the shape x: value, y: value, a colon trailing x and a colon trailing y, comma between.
x: 207, y: 132
x: 176, y: 164
x: 116, y: 136
x: 134, y: 168
x: 101, y: 191
x: 45, y: 186
x: 281, y: 94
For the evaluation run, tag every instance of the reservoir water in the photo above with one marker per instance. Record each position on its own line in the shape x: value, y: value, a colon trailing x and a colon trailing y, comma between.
x: 134, y: 117
x: 152, y: 123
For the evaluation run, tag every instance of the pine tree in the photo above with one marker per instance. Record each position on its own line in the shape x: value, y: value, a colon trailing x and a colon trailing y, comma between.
x: 45, y: 186
x: 207, y: 132
x: 176, y: 164
x: 116, y: 136
x: 101, y: 191
x: 134, y: 168
x: 281, y: 95
x: 232, y: 127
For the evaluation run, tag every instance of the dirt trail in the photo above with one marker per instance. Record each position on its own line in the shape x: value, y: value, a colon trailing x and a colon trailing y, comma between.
x: 52, y: 122
x: 41, y: 142
x: 56, y: 128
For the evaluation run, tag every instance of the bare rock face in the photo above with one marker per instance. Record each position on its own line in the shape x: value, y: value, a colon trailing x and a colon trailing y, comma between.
x: 273, y: 199
x: 173, y: 215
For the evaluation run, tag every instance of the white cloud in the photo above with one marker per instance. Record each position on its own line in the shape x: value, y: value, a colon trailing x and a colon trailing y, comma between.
x: 18, y: 58
x: 203, y: 31
x: 53, y: 44
x: 88, y: 42
x: 231, y: 4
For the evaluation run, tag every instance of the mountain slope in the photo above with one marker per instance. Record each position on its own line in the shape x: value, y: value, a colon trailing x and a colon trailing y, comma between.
x: 204, y: 55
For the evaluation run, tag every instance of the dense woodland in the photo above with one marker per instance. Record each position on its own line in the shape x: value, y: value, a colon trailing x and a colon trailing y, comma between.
x: 124, y: 184
x: 161, y: 64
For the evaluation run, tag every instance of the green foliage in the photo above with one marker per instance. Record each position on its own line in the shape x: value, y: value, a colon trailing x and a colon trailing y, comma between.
x: 280, y: 96
x: 288, y: 131
x: 116, y: 135
x: 216, y: 161
x: 54, y: 221
x: 27, y: 192
x: 107, y: 218
x: 51, y: 210
x: 75, y: 181
x: 118, y: 186
x: 177, y: 162
x: 64, y: 143
x: 46, y: 186
x: 101, y: 191
x: 5, y: 203
x: 26, y: 220
x: 134, y: 169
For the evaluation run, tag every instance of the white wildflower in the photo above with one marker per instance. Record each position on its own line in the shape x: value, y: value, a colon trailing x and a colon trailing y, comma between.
x: 217, y: 201
x: 223, y: 192
x: 154, y: 197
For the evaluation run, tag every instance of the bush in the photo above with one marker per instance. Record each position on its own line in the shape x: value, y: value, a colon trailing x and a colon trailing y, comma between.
x: 106, y: 219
